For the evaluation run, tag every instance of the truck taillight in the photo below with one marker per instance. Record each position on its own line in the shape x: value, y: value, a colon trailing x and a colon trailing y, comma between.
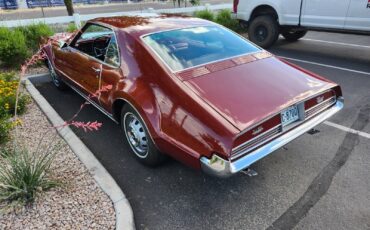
x: 235, y: 7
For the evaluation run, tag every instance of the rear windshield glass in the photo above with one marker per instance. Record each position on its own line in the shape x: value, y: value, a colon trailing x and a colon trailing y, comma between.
x: 185, y: 48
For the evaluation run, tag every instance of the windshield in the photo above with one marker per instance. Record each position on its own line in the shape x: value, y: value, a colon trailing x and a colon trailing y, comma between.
x: 185, y: 48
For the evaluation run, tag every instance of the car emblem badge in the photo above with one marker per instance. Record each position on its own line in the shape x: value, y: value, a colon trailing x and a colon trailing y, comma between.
x: 319, y: 99
x: 257, y: 130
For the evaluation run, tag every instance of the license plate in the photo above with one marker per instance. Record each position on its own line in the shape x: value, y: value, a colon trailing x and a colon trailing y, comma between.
x: 289, y: 115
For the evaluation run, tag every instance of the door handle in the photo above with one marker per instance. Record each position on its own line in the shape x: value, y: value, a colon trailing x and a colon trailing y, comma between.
x: 96, y: 70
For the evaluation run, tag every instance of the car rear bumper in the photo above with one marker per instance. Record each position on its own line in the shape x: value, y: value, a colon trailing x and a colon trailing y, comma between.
x: 220, y: 167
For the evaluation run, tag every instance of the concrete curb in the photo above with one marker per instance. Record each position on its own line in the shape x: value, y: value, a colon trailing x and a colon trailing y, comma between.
x: 124, y: 214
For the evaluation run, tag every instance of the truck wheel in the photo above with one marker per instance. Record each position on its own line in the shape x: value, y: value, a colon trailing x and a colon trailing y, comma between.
x: 138, y: 138
x: 293, y: 35
x: 263, y: 31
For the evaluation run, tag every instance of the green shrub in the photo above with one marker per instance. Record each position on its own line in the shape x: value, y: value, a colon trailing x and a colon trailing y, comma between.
x: 13, y: 49
x: 8, y: 89
x: 71, y: 27
x: 205, y: 14
x: 24, y: 174
x: 5, y: 126
x: 34, y: 34
x: 224, y: 18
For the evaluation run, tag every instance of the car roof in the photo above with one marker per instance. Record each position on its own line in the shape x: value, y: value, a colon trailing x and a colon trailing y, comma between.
x: 150, y: 23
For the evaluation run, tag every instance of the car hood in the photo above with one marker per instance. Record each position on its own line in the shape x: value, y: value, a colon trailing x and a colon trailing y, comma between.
x: 246, y: 94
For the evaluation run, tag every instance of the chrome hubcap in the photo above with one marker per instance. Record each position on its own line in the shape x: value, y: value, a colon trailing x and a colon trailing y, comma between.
x: 135, y: 134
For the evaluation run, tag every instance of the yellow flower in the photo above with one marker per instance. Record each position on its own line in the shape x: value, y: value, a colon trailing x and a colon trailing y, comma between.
x: 6, y: 106
x: 17, y: 122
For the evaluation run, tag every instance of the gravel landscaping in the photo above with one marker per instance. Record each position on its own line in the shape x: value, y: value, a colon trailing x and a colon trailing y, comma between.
x: 79, y: 203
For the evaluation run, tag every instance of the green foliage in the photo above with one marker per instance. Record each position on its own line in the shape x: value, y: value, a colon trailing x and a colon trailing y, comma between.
x: 35, y: 35
x: 205, y: 14
x: 8, y: 89
x: 24, y: 175
x: 13, y: 48
x: 5, y: 126
x: 224, y: 18
x: 71, y: 27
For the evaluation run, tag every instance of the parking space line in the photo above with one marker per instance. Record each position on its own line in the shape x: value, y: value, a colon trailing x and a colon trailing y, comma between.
x: 335, y: 43
x: 346, y: 129
x: 324, y: 65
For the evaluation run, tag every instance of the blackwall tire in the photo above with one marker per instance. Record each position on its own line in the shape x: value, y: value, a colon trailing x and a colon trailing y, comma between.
x: 292, y: 36
x: 263, y: 31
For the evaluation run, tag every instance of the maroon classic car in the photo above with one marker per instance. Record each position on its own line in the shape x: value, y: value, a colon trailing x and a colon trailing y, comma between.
x: 191, y: 89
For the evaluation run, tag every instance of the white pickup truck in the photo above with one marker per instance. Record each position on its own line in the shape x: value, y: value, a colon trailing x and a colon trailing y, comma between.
x: 266, y: 19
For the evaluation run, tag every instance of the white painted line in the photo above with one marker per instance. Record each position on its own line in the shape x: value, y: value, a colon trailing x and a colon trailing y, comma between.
x: 324, y: 65
x: 346, y: 129
x: 336, y: 43
x: 124, y: 214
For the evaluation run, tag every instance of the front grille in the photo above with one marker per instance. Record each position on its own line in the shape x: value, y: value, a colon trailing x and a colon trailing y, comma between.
x: 255, y: 142
x: 318, y: 108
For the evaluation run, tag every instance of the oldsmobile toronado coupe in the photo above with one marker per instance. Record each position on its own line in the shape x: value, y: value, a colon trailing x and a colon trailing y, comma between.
x: 191, y: 89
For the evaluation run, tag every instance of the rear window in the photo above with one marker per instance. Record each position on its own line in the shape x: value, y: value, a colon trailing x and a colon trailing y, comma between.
x: 186, y: 48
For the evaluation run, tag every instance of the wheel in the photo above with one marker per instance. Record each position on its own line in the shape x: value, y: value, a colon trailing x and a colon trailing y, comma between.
x: 54, y: 77
x: 138, y: 138
x: 263, y: 31
x: 293, y: 35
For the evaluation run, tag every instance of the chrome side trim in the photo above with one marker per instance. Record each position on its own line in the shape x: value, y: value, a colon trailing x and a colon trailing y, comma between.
x: 224, y: 168
x: 101, y: 109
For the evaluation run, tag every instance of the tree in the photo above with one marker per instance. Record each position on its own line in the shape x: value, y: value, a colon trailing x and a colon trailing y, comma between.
x: 69, y: 6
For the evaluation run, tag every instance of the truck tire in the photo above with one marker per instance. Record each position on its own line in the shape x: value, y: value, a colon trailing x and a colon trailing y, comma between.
x: 293, y: 35
x: 263, y: 31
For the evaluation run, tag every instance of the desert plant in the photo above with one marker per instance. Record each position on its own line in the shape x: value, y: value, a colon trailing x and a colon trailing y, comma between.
x: 205, y: 14
x: 5, y: 127
x: 13, y: 49
x: 71, y: 27
x: 24, y: 174
x: 34, y: 35
x: 224, y: 18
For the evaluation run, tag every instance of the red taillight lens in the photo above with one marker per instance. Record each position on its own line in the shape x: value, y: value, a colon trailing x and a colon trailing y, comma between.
x: 235, y: 8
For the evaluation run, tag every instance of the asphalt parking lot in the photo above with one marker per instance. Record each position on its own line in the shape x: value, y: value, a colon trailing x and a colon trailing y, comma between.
x: 318, y: 181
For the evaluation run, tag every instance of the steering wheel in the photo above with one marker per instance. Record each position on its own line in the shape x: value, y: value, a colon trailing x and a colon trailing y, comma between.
x: 100, y: 52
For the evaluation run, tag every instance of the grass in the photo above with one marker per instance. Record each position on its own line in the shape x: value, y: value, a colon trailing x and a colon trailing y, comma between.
x: 24, y: 175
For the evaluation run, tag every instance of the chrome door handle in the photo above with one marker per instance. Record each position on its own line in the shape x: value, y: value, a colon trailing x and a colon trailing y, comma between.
x: 96, y: 70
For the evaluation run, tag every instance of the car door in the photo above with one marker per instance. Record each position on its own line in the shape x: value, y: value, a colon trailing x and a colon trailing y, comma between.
x: 358, y: 16
x: 324, y: 14
x: 81, y: 62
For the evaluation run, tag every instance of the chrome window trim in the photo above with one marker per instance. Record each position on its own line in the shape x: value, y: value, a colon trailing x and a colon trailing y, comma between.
x: 207, y: 63
x: 95, y: 59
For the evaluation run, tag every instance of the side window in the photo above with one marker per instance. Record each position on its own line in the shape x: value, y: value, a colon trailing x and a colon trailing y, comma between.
x: 112, y: 55
x: 94, y: 41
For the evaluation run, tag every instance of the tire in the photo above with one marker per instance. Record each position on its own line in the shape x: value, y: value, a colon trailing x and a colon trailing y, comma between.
x: 57, y: 82
x: 263, y: 31
x: 138, y: 138
x: 293, y: 35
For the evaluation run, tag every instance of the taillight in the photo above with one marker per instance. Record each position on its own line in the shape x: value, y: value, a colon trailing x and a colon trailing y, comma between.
x: 235, y: 7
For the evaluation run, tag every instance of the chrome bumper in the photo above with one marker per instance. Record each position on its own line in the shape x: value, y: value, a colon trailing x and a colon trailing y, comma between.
x: 219, y: 167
